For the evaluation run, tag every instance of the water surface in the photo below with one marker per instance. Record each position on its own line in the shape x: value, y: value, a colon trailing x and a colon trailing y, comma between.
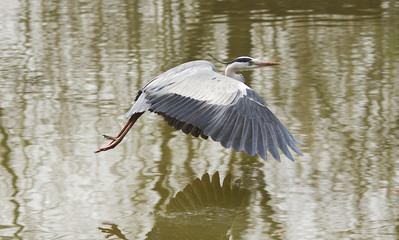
x: 69, y: 70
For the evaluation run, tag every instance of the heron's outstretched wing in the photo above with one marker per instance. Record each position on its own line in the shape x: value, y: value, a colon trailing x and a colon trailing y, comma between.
x: 198, y: 100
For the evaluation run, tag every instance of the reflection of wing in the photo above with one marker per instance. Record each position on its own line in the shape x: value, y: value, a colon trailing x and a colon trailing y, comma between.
x: 195, y: 98
x: 204, y: 193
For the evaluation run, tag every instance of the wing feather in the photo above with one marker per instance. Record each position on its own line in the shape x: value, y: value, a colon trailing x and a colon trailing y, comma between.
x: 229, y: 130
x: 217, y: 123
x: 235, y: 138
x: 227, y: 127
x: 262, y: 142
x: 185, y: 109
x: 244, y: 132
x: 208, y: 112
x: 282, y: 143
x: 254, y: 135
x: 248, y: 146
x: 272, y: 144
x: 167, y: 104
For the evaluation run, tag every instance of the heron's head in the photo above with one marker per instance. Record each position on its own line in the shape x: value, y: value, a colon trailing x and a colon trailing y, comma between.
x: 242, y: 64
x: 246, y: 63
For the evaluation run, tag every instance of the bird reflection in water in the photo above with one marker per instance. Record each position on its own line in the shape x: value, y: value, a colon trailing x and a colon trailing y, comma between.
x: 203, y: 210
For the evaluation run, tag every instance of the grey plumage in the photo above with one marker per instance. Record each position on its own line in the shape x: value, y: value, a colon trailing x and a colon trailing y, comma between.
x: 195, y: 98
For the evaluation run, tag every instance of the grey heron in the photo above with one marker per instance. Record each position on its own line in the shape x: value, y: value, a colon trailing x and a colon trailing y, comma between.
x: 195, y: 98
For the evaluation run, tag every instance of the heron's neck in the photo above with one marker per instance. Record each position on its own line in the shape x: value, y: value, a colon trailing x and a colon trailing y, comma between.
x: 231, y: 72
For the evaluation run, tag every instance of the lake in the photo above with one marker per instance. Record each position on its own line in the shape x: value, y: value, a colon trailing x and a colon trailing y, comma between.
x: 70, y: 70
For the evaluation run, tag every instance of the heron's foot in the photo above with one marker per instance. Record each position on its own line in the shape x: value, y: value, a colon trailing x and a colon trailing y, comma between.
x: 115, y: 141
x: 109, y: 137
x: 107, y: 147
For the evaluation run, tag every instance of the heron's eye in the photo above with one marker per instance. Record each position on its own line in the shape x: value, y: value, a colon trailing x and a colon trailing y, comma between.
x: 250, y: 63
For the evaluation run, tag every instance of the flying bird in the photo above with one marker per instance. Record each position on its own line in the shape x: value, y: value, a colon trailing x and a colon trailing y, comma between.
x: 195, y: 98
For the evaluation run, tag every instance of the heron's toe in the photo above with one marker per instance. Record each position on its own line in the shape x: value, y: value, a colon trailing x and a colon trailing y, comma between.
x: 109, y: 137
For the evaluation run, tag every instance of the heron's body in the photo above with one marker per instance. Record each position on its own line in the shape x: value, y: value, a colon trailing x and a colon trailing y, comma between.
x: 195, y: 98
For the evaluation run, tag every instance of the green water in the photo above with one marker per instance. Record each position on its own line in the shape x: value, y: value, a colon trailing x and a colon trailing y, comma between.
x: 69, y: 70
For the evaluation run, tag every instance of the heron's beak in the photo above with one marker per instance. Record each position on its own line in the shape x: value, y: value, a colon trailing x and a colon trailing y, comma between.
x: 264, y: 64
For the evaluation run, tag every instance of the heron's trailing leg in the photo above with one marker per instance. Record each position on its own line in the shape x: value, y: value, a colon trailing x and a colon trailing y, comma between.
x: 116, y: 140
